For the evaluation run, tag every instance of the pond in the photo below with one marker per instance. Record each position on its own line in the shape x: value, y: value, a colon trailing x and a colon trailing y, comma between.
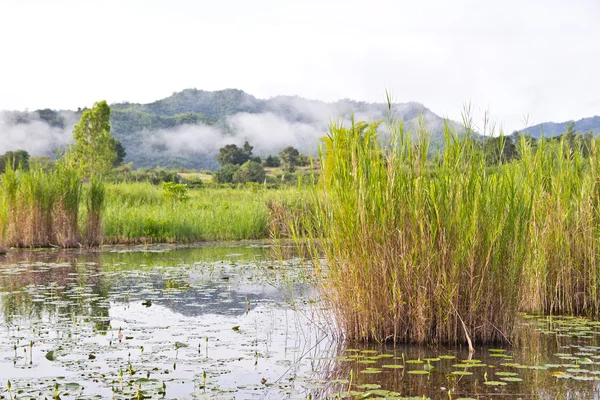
x: 241, y: 321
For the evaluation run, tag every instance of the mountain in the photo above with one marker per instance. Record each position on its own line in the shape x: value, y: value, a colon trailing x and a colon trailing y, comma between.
x: 187, y: 128
x: 551, y: 129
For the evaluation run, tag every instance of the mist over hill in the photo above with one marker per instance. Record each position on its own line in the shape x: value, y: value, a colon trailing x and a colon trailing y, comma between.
x: 187, y: 128
x: 551, y: 129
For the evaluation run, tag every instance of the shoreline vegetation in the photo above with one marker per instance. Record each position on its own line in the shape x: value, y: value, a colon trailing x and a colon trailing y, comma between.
x: 419, y: 248
x: 452, y: 249
x: 32, y: 213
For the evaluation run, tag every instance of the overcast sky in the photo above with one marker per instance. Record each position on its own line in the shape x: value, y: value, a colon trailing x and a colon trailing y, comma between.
x: 514, y: 58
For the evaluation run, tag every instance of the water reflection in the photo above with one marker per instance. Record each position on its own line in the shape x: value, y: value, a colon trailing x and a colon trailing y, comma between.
x: 235, y: 321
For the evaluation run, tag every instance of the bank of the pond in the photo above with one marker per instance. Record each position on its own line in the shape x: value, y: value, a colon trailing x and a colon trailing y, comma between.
x: 33, y: 204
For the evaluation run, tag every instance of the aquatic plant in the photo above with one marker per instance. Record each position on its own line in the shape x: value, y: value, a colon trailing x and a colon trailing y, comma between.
x: 95, y: 203
x: 449, y: 249
x: 39, y: 208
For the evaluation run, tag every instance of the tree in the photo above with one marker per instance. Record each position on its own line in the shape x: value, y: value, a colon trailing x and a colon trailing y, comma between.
x: 94, y: 149
x: 225, y: 173
x: 249, y: 172
x: 499, y: 150
x: 289, y: 156
x: 303, y: 160
x: 247, y: 148
x: 231, y: 154
x: 121, y: 153
x: 272, y: 161
x: 16, y: 159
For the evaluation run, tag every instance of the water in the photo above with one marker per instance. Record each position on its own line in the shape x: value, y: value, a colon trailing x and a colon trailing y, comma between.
x: 233, y: 321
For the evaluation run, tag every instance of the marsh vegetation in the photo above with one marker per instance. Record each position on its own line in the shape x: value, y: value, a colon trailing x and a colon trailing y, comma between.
x: 450, y: 249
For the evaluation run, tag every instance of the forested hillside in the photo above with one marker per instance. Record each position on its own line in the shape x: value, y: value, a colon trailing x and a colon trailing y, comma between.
x: 551, y: 129
x: 187, y: 128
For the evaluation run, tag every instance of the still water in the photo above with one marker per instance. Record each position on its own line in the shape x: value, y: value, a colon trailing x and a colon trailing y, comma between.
x: 241, y: 321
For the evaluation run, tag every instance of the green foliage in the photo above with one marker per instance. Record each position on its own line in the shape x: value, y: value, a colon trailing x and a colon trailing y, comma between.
x: 499, y: 150
x: 94, y: 149
x: 231, y: 154
x: 175, y: 192
x: 451, y: 249
x: 225, y: 174
x: 157, y: 175
x: 42, y: 162
x: 193, y: 182
x: 16, y: 159
x: 51, y: 117
x: 289, y: 156
x: 303, y: 160
x: 249, y: 172
x: 96, y: 197
x: 272, y: 161
x: 121, y: 153
x: 212, y: 105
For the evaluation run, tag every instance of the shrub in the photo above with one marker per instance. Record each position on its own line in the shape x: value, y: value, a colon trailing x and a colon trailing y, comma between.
x: 249, y: 172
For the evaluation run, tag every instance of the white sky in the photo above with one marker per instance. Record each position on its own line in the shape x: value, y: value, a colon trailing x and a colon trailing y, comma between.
x: 514, y: 58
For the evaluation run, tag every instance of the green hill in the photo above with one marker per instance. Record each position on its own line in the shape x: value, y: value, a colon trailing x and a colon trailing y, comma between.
x: 551, y: 129
x: 187, y: 128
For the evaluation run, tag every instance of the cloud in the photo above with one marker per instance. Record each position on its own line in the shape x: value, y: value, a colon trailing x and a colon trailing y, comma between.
x: 25, y: 131
x: 288, y: 121
x: 201, y: 139
x: 270, y: 133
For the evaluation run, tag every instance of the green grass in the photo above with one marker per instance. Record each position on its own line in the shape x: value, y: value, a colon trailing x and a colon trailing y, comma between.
x: 138, y: 212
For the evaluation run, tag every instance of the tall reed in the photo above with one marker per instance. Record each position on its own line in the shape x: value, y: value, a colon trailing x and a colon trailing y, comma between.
x: 449, y: 250
x: 66, y: 214
x: 39, y: 208
x: 95, y: 203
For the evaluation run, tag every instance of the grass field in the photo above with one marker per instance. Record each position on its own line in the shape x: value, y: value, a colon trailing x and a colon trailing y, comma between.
x: 138, y: 212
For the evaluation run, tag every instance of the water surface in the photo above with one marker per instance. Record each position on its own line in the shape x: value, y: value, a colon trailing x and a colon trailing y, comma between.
x: 237, y: 321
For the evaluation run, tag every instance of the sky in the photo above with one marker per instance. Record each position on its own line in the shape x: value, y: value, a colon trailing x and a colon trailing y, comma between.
x: 524, y: 60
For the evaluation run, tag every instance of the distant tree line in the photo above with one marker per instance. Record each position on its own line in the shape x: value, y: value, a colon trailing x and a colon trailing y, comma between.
x: 503, y: 149
x: 95, y: 150
x: 239, y: 165
x: 15, y: 159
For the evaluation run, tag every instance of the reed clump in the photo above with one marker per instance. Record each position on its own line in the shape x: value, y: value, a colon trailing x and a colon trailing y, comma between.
x: 450, y: 249
x: 95, y: 202
x: 39, y: 208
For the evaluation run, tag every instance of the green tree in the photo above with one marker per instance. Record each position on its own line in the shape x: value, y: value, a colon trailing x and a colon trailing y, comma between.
x: 272, y: 161
x: 247, y: 148
x: 94, y: 150
x: 225, y: 173
x: 249, y: 172
x: 303, y: 160
x: 289, y: 156
x: 231, y: 154
x: 499, y: 150
x: 16, y: 159
x: 121, y: 153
